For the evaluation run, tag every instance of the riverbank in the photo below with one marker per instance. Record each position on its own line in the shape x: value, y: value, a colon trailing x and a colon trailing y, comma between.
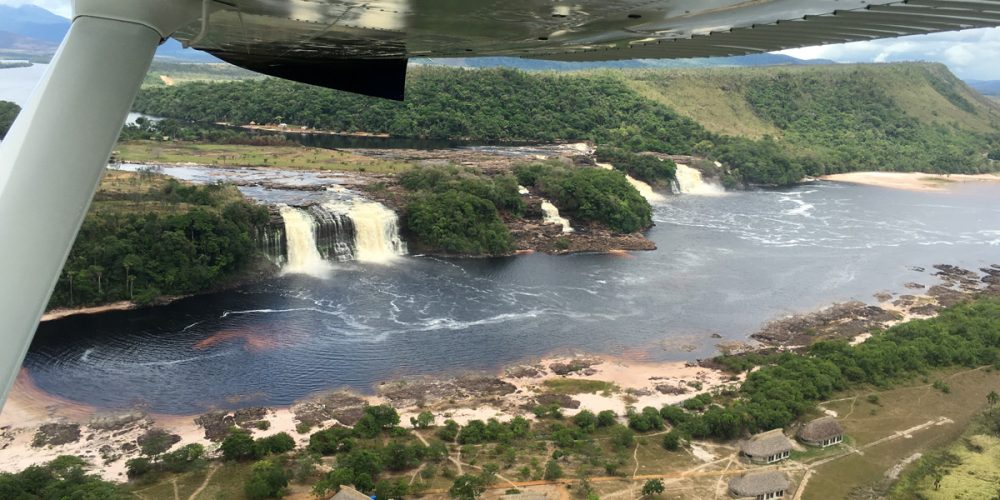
x: 570, y: 382
x: 911, y: 181
x: 36, y: 427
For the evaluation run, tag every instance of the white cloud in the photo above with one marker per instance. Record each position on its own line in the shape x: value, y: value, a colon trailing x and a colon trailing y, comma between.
x: 970, y: 54
x: 61, y: 7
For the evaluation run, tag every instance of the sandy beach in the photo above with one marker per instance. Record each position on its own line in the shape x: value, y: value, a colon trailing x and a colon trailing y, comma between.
x: 636, y: 384
x: 912, y: 181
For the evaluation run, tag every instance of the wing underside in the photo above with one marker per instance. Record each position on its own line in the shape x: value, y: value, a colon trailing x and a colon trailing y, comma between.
x: 319, y: 40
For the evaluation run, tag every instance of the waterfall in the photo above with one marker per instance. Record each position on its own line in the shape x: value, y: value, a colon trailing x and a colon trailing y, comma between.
x: 375, y: 230
x: 689, y: 181
x: 300, y: 233
x: 644, y: 189
x: 271, y: 242
x: 551, y: 216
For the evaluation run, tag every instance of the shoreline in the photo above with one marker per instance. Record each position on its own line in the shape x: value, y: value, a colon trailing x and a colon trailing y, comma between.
x: 583, y: 381
x: 910, y: 181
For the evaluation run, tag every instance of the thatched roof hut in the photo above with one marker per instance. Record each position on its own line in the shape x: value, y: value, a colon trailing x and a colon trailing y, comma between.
x: 767, y: 447
x: 770, y: 484
x: 348, y: 493
x: 823, y: 431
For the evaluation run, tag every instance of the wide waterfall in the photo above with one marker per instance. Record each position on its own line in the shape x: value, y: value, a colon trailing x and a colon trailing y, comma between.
x: 375, y: 230
x: 644, y: 189
x: 300, y: 232
x: 550, y: 215
x: 690, y: 181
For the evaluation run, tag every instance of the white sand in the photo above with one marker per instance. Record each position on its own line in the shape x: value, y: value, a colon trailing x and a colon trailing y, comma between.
x: 912, y: 181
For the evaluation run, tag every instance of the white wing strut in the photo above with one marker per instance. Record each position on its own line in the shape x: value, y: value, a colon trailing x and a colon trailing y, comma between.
x: 55, y: 154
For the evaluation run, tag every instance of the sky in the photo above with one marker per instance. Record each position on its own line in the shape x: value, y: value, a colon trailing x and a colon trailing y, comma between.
x: 971, y: 54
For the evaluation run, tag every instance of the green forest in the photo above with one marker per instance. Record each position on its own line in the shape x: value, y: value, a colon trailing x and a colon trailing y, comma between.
x: 818, y: 120
x: 8, y: 111
x: 157, y: 237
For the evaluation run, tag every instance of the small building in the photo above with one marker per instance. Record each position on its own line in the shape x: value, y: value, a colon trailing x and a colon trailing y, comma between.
x: 766, y: 447
x: 823, y: 432
x: 348, y: 493
x: 760, y: 485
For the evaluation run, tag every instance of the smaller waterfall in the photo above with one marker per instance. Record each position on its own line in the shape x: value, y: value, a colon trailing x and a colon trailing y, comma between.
x: 690, y: 181
x: 521, y: 190
x: 644, y: 189
x: 551, y: 216
x: 300, y: 232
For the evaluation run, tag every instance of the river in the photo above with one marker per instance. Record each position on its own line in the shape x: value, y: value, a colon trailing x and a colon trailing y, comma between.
x: 725, y: 265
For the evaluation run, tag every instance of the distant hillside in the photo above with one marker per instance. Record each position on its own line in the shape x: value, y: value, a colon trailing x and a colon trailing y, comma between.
x: 985, y: 87
x: 34, y: 33
x: 33, y: 22
x: 771, y: 125
x: 700, y: 62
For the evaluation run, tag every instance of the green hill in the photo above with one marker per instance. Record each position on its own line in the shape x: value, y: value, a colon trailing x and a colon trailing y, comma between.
x: 770, y: 125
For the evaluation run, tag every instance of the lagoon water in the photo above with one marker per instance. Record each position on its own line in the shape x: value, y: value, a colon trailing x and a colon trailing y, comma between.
x: 725, y: 265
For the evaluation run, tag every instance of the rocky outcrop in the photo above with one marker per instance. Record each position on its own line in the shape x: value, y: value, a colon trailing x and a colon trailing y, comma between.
x: 840, y: 321
x: 55, y: 434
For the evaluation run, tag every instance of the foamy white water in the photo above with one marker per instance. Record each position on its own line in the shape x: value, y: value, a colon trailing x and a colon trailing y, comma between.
x: 690, y: 181
x: 376, y: 229
x: 551, y: 216
x: 644, y: 189
x: 303, y: 257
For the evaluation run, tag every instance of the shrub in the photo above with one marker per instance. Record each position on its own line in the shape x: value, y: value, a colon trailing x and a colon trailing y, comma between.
x: 238, y: 445
x: 267, y: 480
x: 278, y: 443
x: 672, y: 441
x: 652, y: 487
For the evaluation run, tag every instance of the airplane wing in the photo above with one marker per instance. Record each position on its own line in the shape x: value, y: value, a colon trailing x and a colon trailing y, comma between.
x: 54, y: 154
x: 316, y: 41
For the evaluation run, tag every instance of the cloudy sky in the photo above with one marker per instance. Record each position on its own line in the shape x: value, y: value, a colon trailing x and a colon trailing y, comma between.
x: 971, y: 54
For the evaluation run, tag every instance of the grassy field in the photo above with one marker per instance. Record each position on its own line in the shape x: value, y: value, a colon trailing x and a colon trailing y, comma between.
x: 904, y: 421
x: 714, y: 96
x: 285, y: 157
x: 130, y: 192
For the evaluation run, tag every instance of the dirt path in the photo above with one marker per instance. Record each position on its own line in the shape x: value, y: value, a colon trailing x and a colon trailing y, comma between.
x: 204, y: 484
x: 177, y: 494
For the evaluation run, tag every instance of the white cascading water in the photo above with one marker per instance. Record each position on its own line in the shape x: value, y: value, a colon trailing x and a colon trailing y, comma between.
x: 690, y: 181
x: 300, y: 233
x: 644, y: 189
x: 376, y: 228
x: 550, y: 215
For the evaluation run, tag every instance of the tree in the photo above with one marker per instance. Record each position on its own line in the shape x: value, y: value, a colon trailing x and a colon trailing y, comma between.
x: 992, y: 399
x: 156, y: 442
x: 449, y: 432
x: 552, y: 471
x: 586, y: 421
x: 422, y: 421
x: 652, y: 487
x: 672, y: 440
x: 467, y: 487
x: 622, y: 437
x: 278, y: 443
x: 267, y: 480
x: 238, y: 445
x: 606, y: 418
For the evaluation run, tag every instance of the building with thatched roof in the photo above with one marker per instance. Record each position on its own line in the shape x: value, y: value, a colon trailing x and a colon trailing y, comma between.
x: 824, y: 431
x: 760, y: 485
x: 766, y: 447
x: 348, y: 493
